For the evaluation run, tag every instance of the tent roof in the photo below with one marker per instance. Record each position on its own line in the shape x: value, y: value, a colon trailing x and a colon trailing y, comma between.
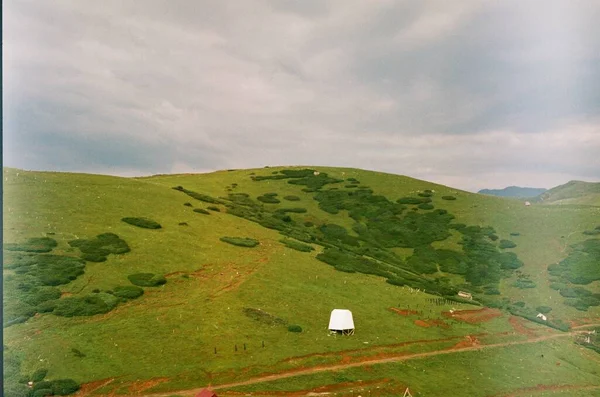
x: 340, y: 320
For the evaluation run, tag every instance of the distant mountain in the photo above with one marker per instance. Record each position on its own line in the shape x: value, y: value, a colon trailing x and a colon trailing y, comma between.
x: 573, y: 192
x: 514, y: 191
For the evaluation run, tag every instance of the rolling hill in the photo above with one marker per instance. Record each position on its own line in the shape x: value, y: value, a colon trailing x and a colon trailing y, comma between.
x: 162, y: 285
x: 514, y: 191
x: 572, y: 193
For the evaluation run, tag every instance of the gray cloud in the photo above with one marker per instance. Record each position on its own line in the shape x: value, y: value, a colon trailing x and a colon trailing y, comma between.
x: 470, y: 94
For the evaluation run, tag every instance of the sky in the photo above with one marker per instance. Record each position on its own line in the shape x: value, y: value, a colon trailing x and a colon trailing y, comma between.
x: 470, y: 94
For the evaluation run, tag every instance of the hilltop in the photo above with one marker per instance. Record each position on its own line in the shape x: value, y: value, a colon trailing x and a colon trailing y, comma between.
x: 573, y: 192
x: 169, y: 283
x: 514, y: 191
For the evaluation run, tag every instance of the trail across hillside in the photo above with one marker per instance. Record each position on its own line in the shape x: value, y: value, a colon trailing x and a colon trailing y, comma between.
x: 367, y: 361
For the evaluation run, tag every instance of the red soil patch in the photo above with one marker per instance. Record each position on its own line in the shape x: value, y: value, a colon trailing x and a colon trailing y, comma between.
x: 431, y: 323
x: 519, y: 327
x: 474, y: 316
x: 469, y: 341
x: 402, y: 312
x: 88, y: 388
x: 138, y: 387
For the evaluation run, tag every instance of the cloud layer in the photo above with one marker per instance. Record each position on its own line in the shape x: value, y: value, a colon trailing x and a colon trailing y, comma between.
x: 470, y: 94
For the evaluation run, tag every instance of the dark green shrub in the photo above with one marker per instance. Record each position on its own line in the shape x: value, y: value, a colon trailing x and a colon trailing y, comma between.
x: 294, y: 328
x: 544, y: 309
x: 296, y: 245
x: 147, y: 279
x: 46, y: 307
x: 201, y: 211
x: 183, y: 224
x: 268, y: 199
x: 425, y: 194
x: 89, y: 305
x: 39, y: 375
x: 292, y: 198
x: 270, y: 194
x: 34, y: 244
x: 78, y: 353
x: 507, y: 244
x: 308, y: 224
x: 42, y: 393
x: 515, y: 234
x: 296, y: 210
x: 448, y: 198
x: 425, y: 206
x: 519, y: 304
x: 98, y: 248
x: 198, y: 196
x: 350, y: 186
x: 524, y: 283
x: 35, y: 296
x: 558, y: 286
x: 128, y: 292
x: 410, y: 200
x: 187, y: 204
x: 93, y: 257
x: 214, y: 208
x: 240, y: 241
x: 63, y: 387
x: 142, y: 222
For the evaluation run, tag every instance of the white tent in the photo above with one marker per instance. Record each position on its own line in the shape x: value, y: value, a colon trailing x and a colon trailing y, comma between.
x: 341, y: 321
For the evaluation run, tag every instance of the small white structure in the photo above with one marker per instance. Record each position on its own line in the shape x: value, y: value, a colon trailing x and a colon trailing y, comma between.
x: 465, y: 295
x: 341, y: 321
x: 540, y: 315
x: 527, y: 203
x: 316, y: 173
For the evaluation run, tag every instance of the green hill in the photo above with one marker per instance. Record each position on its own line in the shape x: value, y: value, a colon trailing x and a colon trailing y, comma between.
x: 173, y: 282
x: 572, y: 193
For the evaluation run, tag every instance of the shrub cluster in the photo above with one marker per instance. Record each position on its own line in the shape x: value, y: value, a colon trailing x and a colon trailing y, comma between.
x: 240, y: 241
x: 88, y: 305
x: 147, y: 279
x: 201, y: 211
x: 268, y: 199
x: 507, y: 244
x: 34, y: 244
x: 291, y: 198
x: 214, y: 208
x: 142, y: 222
x: 198, y: 196
x: 98, y: 248
x: 58, y: 387
x: 449, y: 198
x: 296, y: 210
x: 296, y: 245
x: 414, y: 200
x: 425, y: 206
x: 128, y: 292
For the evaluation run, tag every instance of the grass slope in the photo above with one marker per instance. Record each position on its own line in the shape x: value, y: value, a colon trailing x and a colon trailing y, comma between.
x: 573, y: 193
x: 222, y: 303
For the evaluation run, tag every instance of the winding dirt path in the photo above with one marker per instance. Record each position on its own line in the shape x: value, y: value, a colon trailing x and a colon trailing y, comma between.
x: 370, y: 361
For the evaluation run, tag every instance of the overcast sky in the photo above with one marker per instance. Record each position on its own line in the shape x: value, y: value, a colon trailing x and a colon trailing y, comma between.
x: 468, y: 94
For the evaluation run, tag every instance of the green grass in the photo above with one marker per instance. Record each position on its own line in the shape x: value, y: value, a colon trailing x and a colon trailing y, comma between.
x: 206, y: 309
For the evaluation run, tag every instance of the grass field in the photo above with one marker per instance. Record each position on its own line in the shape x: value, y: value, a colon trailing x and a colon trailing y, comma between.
x: 223, y: 314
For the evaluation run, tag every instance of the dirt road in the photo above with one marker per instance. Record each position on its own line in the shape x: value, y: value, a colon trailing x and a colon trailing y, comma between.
x: 398, y: 358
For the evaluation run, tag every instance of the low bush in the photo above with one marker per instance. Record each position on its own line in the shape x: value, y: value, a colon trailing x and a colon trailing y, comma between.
x: 98, y: 248
x: 524, y: 283
x: 147, y: 279
x: 294, y: 328
x: 296, y: 210
x: 198, y: 196
x: 34, y: 244
x: 308, y: 224
x: 411, y: 200
x: 142, y: 222
x: 128, y: 292
x: 240, y: 241
x: 214, y: 208
x: 263, y: 317
x: 291, y: 198
x: 201, y: 211
x: 425, y: 194
x: 450, y: 198
x: 268, y: 199
x: 183, y: 224
x: 187, y: 204
x: 515, y: 234
x: 39, y: 375
x: 543, y: 309
x: 296, y: 245
x: 58, y: 387
x: 507, y: 244
x: 425, y: 206
x: 89, y: 305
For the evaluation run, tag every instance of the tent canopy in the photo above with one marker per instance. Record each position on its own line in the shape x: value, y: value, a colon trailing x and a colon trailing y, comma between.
x: 341, y: 320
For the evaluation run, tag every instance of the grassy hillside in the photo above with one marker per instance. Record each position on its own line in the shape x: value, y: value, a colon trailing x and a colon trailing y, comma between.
x: 514, y: 191
x: 173, y: 282
x: 574, y: 193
